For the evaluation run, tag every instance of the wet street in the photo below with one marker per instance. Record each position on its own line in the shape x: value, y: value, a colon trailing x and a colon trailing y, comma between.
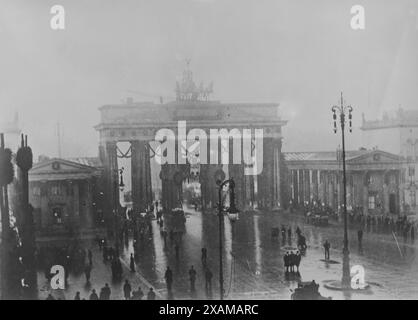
x: 253, y: 261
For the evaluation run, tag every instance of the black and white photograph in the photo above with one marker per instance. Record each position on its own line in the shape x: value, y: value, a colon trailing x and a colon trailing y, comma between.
x: 215, y: 153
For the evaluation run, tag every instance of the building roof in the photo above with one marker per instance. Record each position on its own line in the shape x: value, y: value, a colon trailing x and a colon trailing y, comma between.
x: 322, y: 155
x: 87, y: 161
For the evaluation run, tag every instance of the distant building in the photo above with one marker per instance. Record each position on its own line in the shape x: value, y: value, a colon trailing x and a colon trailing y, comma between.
x: 398, y: 134
x: 66, y: 196
x: 374, y: 180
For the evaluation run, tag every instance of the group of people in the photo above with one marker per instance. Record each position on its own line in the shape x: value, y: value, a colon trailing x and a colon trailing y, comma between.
x: 291, y: 260
x: 383, y: 224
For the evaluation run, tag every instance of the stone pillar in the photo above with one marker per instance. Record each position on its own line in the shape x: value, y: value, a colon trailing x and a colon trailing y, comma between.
x: 236, y: 171
x: 139, y: 175
x: 108, y: 157
x: 265, y: 181
x: 315, y: 185
x: 89, y: 203
x: 307, y: 185
x: 301, y: 187
x: 295, y: 187
x: 148, y: 182
x: 277, y: 175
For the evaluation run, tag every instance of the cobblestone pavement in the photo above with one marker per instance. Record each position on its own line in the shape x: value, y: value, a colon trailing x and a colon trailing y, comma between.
x: 253, y: 261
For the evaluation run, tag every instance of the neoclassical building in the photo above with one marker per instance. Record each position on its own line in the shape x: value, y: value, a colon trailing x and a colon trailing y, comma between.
x: 65, y: 195
x: 397, y: 134
x: 374, y: 179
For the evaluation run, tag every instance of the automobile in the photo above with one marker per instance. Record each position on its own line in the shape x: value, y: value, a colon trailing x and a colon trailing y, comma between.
x: 308, y: 290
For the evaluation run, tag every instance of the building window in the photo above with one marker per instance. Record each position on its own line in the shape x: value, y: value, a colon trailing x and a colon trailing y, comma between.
x: 56, y: 190
x: 372, y: 202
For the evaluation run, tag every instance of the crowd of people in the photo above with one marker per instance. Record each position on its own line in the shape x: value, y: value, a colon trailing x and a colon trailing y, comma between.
x: 400, y: 225
x: 377, y: 223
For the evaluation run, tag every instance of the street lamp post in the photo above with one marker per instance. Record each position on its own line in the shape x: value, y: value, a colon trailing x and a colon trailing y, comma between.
x: 233, y: 215
x: 342, y: 110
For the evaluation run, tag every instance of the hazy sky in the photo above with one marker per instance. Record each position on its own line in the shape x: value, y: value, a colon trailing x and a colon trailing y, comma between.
x: 299, y: 53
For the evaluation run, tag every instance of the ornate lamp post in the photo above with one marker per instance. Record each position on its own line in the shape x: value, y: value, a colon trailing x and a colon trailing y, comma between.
x: 232, y: 212
x: 342, y: 112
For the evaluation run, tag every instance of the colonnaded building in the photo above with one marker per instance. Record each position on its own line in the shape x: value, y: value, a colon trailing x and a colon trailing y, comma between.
x: 398, y: 134
x: 374, y: 180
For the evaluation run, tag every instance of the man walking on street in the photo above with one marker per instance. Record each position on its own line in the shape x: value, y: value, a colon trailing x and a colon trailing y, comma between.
x: 192, y: 275
x: 132, y: 263
x: 168, y: 278
x: 327, y: 246
x: 127, y: 290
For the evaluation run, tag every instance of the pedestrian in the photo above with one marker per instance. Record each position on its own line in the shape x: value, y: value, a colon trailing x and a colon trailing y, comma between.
x: 208, y: 279
x: 102, y: 294
x: 77, y: 296
x: 127, y: 290
x: 107, y: 292
x: 151, y: 294
x: 93, y: 295
x: 286, y: 261
x: 132, y: 263
x: 327, y: 246
x: 360, y: 237
x: 168, y: 278
x: 298, y: 258
x: 87, y: 272
x: 204, y: 256
x: 192, y: 276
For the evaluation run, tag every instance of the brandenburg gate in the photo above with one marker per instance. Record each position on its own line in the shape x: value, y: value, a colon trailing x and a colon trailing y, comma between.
x: 138, y: 123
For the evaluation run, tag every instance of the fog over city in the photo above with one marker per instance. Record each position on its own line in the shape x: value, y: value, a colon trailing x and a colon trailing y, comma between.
x: 300, y: 54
